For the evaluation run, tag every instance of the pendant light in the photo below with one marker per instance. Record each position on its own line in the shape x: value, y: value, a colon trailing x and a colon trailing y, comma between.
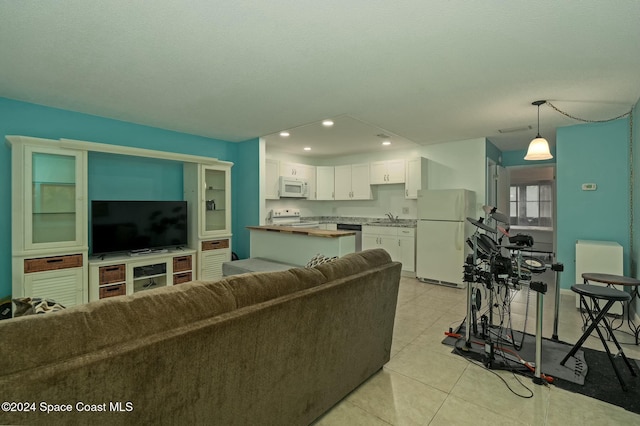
x: 539, y: 147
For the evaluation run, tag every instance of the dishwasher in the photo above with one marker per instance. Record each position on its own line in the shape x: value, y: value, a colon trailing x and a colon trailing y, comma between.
x: 352, y: 227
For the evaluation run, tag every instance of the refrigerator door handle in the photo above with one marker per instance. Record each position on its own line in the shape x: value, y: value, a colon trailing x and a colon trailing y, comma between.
x: 459, y: 206
x: 458, y: 238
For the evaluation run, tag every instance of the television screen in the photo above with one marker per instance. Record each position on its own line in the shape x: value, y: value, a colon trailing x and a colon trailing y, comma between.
x: 135, y: 225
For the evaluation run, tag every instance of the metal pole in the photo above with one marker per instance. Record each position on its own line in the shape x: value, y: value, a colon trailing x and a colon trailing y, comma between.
x: 540, y: 288
x: 557, y: 267
x: 539, y: 305
x: 467, y: 330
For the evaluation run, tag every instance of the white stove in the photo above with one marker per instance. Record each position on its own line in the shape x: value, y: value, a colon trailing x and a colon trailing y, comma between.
x: 289, y: 217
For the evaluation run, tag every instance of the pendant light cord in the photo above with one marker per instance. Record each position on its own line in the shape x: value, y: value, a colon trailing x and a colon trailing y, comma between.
x: 631, y: 213
x: 583, y: 119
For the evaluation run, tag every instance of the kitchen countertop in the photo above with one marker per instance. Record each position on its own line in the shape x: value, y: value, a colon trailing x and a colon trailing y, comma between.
x: 365, y: 221
x: 391, y: 224
x: 313, y: 232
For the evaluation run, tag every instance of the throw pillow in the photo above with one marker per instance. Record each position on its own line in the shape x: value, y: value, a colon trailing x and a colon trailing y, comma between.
x: 35, y: 305
x: 319, y: 259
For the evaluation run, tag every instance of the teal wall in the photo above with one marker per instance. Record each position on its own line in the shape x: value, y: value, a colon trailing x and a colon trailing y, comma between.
x: 592, y: 153
x: 493, y: 153
x: 121, y: 177
x: 245, y: 187
x: 139, y: 178
x: 516, y: 158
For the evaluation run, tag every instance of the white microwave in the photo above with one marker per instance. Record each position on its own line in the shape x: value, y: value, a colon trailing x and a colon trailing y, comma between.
x: 293, y: 187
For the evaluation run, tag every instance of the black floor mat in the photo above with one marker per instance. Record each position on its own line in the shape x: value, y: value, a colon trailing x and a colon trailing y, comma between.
x: 590, y: 373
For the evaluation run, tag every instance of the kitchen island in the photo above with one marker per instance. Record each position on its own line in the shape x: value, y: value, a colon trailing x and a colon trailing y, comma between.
x: 297, y: 245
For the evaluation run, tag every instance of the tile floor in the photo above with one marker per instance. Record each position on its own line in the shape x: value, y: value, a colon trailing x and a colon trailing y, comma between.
x: 425, y: 384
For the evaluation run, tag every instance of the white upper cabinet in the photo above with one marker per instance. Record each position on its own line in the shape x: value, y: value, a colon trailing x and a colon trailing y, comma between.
x: 352, y: 182
x: 49, y: 201
x: 325, y: 182
x: 342, y: 186
x: 272, y: 180
x: 360, y: 186
x: 416, y: 177
x: 208, y: 192
x: 301, y: 171
x: 296, y: 170
x: 386, y: 172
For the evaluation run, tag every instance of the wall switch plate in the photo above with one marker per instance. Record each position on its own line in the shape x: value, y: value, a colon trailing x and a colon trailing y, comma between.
x: 405, y: 210
x: 589, y: 186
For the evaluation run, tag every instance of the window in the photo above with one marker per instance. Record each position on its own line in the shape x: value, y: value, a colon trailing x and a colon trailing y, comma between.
x: 531, y: 205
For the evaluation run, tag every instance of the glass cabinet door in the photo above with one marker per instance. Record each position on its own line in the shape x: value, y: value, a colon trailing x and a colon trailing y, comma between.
x: 215, y: 200
x: 54, y: 216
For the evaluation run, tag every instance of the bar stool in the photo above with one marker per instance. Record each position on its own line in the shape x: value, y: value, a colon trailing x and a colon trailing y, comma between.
x: 610, y: 295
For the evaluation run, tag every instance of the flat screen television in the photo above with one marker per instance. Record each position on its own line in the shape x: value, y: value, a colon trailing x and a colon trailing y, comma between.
x: 120, y: 226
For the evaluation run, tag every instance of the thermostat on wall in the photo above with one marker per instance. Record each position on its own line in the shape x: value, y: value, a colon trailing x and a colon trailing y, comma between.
x: 589, y: 186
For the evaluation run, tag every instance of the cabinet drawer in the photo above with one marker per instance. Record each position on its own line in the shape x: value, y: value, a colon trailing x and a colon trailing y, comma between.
x: 406, y: 232
x: 380, y: 230
x: 111, y: 274
x: 184, y: 277
x: 113, y: 290
x: 181, y: 263
x: 52, y: 263
x: 215, y: 244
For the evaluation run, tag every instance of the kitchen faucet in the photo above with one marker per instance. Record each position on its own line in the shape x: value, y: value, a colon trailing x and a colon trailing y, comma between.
x: 391, y: 218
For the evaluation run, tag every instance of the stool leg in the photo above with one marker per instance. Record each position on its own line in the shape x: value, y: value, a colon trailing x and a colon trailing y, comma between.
x: 595, y: 321
x: 587, y: 332
x: 611, y: 336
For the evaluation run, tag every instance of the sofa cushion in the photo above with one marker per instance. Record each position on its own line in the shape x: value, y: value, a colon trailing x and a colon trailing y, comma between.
x: 253, y: 264
x: 354, y: 263
x: 252, y: 288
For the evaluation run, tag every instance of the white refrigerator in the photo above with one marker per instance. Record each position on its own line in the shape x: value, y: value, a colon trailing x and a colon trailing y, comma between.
x: 441, y: 247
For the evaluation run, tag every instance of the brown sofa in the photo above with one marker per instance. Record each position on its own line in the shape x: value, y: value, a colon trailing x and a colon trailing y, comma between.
x: 270, y: 348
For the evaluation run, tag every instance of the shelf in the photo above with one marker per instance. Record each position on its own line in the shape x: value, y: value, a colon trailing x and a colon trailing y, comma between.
x: 149, y: 277
x: 139, y: 286
x: 44, y: 182
x: 46, y: 213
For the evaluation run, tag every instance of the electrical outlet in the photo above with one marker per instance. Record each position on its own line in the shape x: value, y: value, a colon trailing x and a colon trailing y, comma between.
x: 405, y: 210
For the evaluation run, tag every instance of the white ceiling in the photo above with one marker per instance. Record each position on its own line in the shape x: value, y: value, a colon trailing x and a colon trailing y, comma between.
x: 421, y: 71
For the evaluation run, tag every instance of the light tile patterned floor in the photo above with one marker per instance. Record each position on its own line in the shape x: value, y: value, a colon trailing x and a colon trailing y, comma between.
x: 425, y: 384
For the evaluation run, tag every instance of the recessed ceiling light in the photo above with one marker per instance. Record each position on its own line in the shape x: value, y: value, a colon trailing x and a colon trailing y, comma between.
x: 327, y: 123
x: 284, y: 134
x: 386, y: 143
x: 307, y: 148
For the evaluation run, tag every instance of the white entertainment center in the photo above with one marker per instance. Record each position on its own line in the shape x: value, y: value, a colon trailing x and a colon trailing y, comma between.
x: 124, y: 274
x: 50, y: 225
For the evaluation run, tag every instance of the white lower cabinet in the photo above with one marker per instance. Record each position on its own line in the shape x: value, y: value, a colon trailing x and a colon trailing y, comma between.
x: 407, y: 242
x: 212, y: 255
x: 65, y: 286
x: 60, y: 278
x: 399, y: 242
